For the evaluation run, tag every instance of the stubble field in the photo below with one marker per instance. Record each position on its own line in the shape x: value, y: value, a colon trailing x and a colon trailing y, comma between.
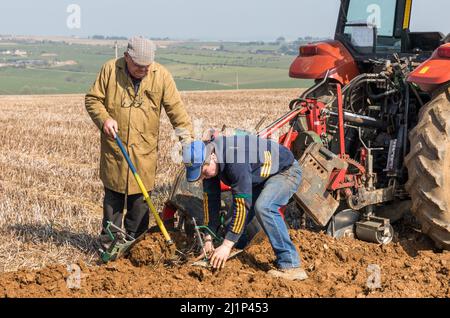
x: 51, y: 209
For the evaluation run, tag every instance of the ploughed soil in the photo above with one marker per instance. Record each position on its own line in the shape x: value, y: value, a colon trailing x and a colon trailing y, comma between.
x: 408, y: 267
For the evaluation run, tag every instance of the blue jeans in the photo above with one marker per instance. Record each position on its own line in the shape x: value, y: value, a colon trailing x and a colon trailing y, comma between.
x: 267, y: 200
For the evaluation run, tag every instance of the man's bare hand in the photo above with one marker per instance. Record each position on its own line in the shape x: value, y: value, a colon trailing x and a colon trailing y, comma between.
x: 110, y: 128
x: 220, y: 255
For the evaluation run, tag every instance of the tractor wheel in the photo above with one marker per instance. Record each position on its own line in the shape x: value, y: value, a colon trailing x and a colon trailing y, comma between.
x: 429, y: 168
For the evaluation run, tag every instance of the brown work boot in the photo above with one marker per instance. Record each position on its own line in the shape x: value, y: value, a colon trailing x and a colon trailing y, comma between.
x: 296, y: 273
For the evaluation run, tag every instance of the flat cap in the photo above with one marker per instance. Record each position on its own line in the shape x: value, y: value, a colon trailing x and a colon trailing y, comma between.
x: 141, y: 50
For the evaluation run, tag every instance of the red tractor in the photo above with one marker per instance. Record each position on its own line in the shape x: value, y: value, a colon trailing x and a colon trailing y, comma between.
x: 375, y: 84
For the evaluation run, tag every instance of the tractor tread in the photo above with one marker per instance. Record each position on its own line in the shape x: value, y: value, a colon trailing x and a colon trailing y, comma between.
x: 429, y: 171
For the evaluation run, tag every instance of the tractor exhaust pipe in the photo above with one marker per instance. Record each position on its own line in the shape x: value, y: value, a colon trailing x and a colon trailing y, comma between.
x: 360, y: 120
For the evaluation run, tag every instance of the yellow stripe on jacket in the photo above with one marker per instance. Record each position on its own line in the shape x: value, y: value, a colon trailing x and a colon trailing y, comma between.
x: 265, y: 168
x: 244, y: 214
x: 239, y: 220
x: 236, y: 218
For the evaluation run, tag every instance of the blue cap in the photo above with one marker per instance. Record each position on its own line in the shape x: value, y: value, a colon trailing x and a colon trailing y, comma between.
x: 194, y: 155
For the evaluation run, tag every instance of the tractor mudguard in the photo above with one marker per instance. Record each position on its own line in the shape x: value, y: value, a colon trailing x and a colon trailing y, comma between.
x: 316, y: 59
x: 434, y: 71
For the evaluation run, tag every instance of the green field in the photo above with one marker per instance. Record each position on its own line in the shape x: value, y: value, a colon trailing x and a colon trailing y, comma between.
x: 194, y: 65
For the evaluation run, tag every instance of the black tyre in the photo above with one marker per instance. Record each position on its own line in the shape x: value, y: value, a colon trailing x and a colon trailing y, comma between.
x: 429, y: 168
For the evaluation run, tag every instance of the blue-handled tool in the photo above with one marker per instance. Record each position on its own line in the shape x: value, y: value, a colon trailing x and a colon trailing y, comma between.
x: 121, y: 242
x: 144, y: 192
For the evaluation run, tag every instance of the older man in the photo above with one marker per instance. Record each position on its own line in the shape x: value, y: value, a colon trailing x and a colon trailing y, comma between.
x: 126, y: 99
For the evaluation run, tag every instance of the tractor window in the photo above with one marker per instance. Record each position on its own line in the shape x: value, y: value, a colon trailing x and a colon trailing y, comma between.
x: 363, y: 17
x: 380, y: 13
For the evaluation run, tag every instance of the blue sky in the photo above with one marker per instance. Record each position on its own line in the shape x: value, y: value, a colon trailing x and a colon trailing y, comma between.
x: 239, y: 20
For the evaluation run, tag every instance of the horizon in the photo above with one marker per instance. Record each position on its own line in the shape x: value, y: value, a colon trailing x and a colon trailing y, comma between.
x: 112, y: 37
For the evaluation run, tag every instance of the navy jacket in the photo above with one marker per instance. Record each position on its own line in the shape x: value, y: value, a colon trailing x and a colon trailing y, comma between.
x: 245, y: 161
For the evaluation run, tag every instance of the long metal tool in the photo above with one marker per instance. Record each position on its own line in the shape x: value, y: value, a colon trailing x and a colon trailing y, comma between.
x: 203, y: 260
x: 199, y: 238
x: 144, y: 192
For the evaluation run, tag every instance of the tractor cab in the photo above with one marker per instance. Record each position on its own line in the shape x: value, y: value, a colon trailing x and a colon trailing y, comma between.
x: 378, y: 28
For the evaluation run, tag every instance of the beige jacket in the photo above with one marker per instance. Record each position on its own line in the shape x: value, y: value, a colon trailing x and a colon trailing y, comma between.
x: 138, y: 116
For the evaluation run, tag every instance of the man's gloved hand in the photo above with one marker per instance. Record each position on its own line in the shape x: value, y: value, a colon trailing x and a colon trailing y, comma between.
x: 221, y: 254
x: 110, y: 128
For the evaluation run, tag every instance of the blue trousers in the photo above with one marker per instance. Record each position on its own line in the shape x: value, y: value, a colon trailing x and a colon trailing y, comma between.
x: 267, y: 200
